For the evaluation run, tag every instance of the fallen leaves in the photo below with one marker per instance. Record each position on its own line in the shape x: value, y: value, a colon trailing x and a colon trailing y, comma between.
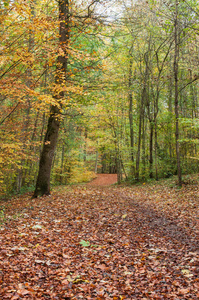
x: 84, y: 243
x: 100, y: 243
x: 124, y: 216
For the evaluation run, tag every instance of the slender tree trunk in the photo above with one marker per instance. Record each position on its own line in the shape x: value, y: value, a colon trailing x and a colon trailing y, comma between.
x: 131, y: 117
x: 151, y: 150
x: 119, y: 167
x: 30, y: 164
x: 176, y: 63
x: 50, y: 140
x: 141, y: 116
x: 144, y: 130
x: 170, y: 113
x: 96, y: 161
x: 22, y: 172
x: 62, y: 162
x: 85, y: 145
x: 156, y: 109
x: 156, y: 148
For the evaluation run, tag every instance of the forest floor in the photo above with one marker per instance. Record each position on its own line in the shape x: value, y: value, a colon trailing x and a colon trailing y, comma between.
x: 103, y: 180
x: 102, y: 242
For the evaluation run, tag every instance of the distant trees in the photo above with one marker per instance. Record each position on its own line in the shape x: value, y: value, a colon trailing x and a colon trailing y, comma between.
x: 154, y: 39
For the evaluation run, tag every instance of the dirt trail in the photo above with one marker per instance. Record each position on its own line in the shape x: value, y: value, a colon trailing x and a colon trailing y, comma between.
x: 104, y: 180
x: 110, y: 243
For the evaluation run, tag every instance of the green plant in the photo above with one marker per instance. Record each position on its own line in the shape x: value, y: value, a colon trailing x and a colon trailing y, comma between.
x: 2, y: 216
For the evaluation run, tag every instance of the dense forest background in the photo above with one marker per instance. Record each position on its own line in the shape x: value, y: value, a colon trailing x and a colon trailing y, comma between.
x: 130, y: 103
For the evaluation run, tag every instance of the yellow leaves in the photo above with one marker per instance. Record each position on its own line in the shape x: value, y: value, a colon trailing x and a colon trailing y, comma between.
x: 59, y: 88
x: 186, y: 273
x: 74, y: 89
x: 79, y: 172
x: 22, y: 8
x: 124, y: 216
x: 51, y: 61
x: 80, y: 280
x: 24, y: 55
x: 4, y: 60
x: 47, y: 99
x: 11, y: 146
x: 43, y: 101
x: 12, y: 153
x: 61, y: 52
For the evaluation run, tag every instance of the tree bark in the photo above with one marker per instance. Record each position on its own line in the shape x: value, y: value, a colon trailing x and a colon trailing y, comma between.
x: 156, y: 148
x: 51, y: 136
x: 151, y: 150
x: 96, y: 161
x: 141, y: 116
x: 131, y: 117
x: 176, y: 63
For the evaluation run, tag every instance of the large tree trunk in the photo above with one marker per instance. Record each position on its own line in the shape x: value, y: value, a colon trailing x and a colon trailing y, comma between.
x: 50, y: 140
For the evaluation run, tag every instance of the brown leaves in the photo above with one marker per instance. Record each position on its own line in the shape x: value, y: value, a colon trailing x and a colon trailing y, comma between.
x: 99, y: 243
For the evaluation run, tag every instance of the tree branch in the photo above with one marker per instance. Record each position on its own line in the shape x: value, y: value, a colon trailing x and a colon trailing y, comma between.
x: 9, y: 114
x: 196, y: 77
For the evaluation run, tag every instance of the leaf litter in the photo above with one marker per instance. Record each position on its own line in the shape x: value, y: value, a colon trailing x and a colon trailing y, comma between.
x: 89, y: 242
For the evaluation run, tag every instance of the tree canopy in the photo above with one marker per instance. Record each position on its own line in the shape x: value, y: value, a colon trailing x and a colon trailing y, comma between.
x: 118, y: 79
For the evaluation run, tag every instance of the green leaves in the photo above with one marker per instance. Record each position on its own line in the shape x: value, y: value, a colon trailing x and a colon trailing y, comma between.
x: 85, y: 243
x: 6, y: 3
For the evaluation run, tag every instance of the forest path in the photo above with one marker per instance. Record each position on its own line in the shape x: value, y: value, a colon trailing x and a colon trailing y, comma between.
x: 111, y: 243
x: 103, y: 180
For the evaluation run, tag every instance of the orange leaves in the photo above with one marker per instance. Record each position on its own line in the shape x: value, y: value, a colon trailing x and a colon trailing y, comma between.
x: 23, y: 290
x: 25, y: 56
x: 22, y: 8
x: 102, y: 267
x: 150, y: 266
x: 183, y: 291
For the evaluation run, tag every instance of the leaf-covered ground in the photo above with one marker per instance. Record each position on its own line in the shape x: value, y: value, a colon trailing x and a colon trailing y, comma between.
x: 103, y: 180
x: 89, y: 242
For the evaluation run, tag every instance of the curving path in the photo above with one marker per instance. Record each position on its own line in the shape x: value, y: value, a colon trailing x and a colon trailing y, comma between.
x: 104, y: 180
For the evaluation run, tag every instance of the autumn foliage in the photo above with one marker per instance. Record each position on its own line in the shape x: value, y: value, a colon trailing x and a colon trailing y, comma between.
x: 129, y: 101
x: 91, y: 242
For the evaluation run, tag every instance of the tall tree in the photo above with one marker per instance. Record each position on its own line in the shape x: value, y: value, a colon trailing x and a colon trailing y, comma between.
x: 50, y: 140
x: 176, y: 79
